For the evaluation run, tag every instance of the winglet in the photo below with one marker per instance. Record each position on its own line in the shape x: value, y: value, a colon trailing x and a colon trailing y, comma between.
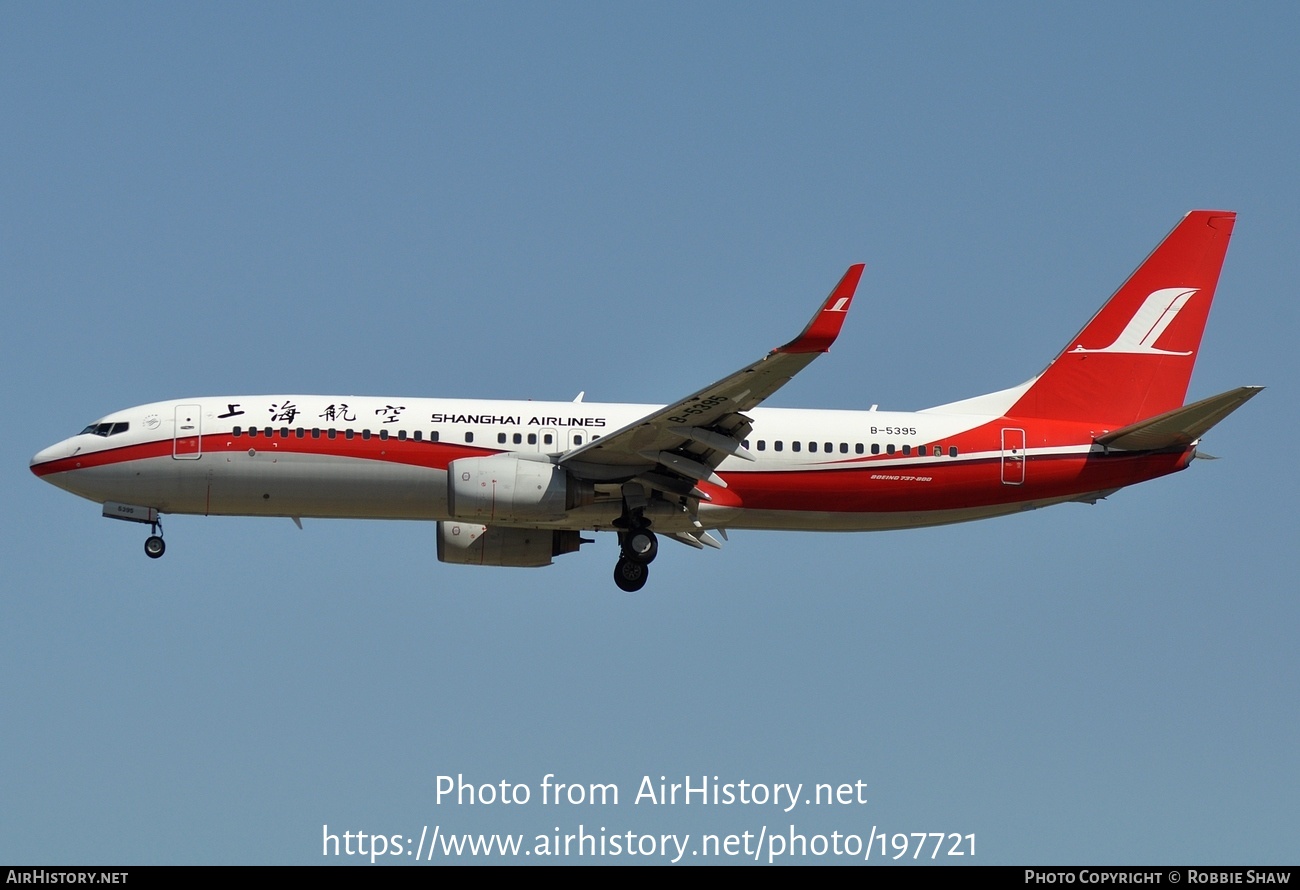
x: 825, y: 325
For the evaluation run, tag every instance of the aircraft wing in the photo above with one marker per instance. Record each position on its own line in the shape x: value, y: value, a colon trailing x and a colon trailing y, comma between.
x: 683, y: 443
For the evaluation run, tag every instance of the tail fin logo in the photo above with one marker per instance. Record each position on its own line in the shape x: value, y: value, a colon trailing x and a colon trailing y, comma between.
x: 1158, y: 311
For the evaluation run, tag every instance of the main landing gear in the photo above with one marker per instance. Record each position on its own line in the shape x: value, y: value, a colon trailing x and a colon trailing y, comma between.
x: 638, y: 547
x: 630, y: 575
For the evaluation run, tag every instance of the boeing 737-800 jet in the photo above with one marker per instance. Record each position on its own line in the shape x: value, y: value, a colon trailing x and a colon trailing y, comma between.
x: 516, y: 483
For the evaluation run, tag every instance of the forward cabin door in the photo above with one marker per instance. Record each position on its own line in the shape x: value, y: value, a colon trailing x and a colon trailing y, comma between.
x: 187, y: 441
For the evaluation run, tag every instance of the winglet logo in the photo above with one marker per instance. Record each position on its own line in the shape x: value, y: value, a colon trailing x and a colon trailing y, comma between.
x: 1158, y: 311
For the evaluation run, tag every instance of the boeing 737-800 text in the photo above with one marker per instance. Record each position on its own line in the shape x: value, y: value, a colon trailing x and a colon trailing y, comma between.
x: 516, y: 483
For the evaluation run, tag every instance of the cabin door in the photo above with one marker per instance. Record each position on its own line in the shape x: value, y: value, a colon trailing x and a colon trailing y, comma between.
x: 1013, y: 457
x: 187, y: 441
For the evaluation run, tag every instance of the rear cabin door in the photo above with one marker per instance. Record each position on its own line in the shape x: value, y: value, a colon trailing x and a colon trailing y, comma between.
x: 1013, y: 456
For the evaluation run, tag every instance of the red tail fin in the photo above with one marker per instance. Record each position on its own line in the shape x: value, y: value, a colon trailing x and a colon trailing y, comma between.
x: 1134, y: 359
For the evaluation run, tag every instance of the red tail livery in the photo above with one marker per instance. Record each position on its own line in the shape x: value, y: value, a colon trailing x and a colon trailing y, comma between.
x: 1134, y: 359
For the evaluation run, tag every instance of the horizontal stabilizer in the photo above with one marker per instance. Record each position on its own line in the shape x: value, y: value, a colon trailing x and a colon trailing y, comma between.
x: 1180, y: 427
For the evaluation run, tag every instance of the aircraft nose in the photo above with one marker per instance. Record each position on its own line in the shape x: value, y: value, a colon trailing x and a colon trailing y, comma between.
x: 45, y: 455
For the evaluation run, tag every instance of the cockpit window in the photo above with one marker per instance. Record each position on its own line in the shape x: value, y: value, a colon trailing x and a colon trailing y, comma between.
x: 105, y: 429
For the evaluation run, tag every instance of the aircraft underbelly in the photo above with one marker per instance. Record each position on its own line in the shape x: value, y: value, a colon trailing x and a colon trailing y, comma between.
x: 821, y: 521
x: 327, y: 487
x: 265, y: 484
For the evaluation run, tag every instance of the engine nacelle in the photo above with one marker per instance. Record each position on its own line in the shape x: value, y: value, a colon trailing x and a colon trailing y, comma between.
x: 467, y: 543
x: 504, y: 488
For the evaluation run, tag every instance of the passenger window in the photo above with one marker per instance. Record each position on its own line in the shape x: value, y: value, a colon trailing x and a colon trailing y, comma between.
x: 952, y: 450
x: 858, y: 449
x: 501, y: 438
x: 332, y: 433
x: 577, y: 440
x: 844, y: 448
x: 829, y: 447
x: 365, y: 434
x: 777, y: 445
x: 532, y: 438
x: 469, y: 437
x: 383, y: 435
x: 315, y: 432
x: 433, y: 436
x: 795, y: 446
x: 889, y: 449
x: 236, y: 431
x: 347, y: 434
x: 812, y: 447
x: 907, y: 449
x: 762, y: 445
x: 401, y: 435
x: 299, y: 432
x: 418, y: 435
x: 517, y: 438
x: 875, y: 447
x: 547, y: 439
x: 270, y: 433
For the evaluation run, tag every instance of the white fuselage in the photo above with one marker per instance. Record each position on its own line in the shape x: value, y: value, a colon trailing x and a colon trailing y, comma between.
x: 385, y: 458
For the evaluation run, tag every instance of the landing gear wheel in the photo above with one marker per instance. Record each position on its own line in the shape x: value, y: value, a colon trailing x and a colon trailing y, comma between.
x: 630, y: 575
x: 641, y: 546
x: 154, y: 547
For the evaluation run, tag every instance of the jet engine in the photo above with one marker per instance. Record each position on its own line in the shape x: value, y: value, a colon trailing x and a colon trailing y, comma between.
x: 505, y: 488
x: 467, y: 543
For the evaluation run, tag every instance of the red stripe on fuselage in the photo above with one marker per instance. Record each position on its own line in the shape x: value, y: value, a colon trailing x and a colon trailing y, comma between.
x: 433, y: 455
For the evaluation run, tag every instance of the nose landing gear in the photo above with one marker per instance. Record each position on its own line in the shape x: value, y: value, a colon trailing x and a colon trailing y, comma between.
x: 154, y: 546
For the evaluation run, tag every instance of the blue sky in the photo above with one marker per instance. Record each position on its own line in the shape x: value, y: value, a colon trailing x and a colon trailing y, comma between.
x: 527, y: 201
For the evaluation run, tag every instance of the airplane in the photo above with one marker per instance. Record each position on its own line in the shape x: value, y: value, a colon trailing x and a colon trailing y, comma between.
x: 517, y: 483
